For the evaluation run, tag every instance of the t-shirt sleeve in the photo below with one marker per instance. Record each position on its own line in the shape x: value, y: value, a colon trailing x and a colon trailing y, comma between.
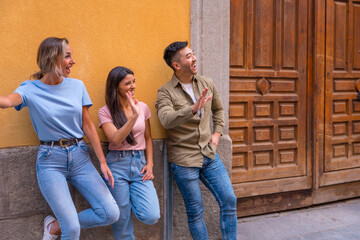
x: 147, y: 112
x: 104, y: 115
x: 86, y: 101
x: 22, y: 91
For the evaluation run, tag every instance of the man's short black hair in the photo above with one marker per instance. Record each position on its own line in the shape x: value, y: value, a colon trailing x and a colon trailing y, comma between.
x: 171, y: 50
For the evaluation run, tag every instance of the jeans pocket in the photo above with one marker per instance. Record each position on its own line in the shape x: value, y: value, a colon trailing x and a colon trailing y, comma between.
x: 143, y: 160
x: 83, y: 147
x: 112, y: 157
x: 141, y: 163
x: 212, y: 147
x: 173, y: 167
x: 43, y: 153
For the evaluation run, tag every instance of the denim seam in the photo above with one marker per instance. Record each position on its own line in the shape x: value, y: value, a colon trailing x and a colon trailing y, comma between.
x: 82, y: 150
x: 218, y: 200
x: 140, y: 212
x: 40, y: 184
x: 102, y: 205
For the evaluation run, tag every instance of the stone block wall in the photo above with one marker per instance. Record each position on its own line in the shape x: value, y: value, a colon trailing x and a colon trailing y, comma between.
x: 23, y: 208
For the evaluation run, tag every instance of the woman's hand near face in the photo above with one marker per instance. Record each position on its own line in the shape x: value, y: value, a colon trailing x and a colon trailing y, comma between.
x: 133, y: 103
x: 117, y: 136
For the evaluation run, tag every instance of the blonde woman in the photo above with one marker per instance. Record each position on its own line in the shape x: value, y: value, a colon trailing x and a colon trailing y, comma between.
x: 58, y: 107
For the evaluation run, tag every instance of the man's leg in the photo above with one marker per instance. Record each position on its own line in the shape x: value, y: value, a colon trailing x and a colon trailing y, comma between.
x: 187, y: 179
x: 213, y: 174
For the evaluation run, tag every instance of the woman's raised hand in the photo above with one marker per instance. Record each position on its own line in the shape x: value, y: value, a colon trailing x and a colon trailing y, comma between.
x: 133, y: 104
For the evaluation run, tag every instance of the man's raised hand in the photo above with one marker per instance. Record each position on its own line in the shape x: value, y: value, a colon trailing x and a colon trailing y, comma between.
x: 200, y: 103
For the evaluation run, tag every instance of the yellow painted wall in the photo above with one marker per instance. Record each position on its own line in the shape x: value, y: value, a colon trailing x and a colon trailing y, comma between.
x: 103, y: 34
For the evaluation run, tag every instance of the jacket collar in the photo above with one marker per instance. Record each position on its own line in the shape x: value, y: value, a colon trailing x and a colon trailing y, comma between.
x: 175, y: 81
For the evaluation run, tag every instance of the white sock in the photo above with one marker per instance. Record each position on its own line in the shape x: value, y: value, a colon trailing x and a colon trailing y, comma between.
x: 49, y: 227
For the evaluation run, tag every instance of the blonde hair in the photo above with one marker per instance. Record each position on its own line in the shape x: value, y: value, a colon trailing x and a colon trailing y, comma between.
x: 49, y: 51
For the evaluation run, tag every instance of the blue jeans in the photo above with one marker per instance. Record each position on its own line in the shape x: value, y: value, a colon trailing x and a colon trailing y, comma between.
x: 214, y: 176
x: 131, y: 193
x: 56, y: 166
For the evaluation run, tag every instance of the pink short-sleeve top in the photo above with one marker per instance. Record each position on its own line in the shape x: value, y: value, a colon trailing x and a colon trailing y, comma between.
x: 138, y: 129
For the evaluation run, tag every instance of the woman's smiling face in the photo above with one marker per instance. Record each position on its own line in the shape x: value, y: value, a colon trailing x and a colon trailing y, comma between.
x: 127, y: 85
x: 67, y: 62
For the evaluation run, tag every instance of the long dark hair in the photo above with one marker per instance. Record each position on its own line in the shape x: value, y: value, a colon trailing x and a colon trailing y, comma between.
x: 116, y: 75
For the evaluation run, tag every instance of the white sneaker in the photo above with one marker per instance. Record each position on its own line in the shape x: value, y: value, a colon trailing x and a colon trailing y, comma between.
x: 47, y: 236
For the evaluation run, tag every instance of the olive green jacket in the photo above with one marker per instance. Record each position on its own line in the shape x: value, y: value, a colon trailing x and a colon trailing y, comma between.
x: 188, y: 134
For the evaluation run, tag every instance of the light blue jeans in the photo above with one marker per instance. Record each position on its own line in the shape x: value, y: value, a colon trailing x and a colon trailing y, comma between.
x: 214, y: 176
x: 55, y: 167
x: 131, y: 193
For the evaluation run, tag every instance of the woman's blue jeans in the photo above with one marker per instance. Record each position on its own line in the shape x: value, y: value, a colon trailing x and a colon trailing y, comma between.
x: 214, y: 176
x: 55, y: 167
x: 131, y: 193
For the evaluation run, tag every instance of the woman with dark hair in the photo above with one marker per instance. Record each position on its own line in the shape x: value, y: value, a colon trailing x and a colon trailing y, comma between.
x: 125, y: 122
x: 58, y: 107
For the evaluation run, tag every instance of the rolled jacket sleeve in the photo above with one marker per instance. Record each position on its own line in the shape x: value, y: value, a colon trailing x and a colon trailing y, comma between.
x: 217, y: 109
x: 168, y: 116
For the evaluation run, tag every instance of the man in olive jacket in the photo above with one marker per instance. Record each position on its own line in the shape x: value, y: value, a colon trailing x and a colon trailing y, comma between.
x: 186, y: 105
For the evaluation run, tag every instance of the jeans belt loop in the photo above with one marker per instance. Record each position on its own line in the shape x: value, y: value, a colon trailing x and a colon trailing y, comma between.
x: 52, y: 145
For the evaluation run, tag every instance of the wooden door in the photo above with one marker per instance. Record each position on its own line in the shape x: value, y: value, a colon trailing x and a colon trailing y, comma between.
x: 268, y: 96
x: 342, y: 111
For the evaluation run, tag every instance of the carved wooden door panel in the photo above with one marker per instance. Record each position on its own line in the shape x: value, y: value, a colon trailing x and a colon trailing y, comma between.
x: 342, y: 111
x: 268, y: 96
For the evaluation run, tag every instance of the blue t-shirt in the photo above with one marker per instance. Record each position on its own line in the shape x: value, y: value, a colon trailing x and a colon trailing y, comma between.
x: 55, y: 110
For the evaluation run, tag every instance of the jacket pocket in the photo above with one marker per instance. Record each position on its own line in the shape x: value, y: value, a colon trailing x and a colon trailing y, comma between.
x: 180, y: 104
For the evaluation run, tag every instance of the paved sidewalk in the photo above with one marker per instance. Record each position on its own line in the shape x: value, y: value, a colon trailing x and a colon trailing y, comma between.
x: 334, y: 221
